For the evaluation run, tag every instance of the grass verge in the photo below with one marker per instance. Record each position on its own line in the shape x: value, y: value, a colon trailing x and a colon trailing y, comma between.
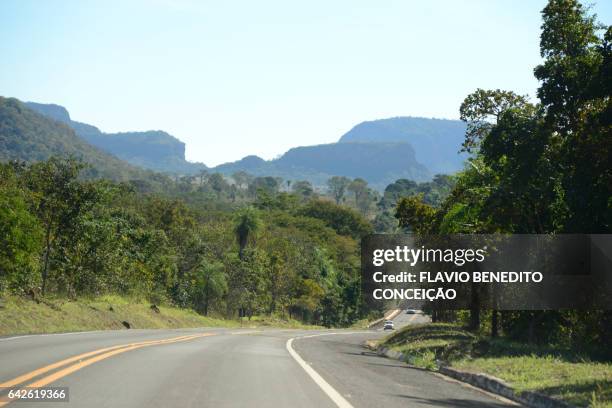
x: 561, y: 374
x: 20, y: 315
x: 24, y: 316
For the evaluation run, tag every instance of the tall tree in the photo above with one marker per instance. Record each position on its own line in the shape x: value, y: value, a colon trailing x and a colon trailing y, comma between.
x: 481, y: 110
x: 247, y: 223
x: 576, y: 93
x: 62, y: 199
x: 337, y: 187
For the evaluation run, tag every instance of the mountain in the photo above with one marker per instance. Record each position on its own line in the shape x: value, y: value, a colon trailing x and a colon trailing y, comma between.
x: 154, y: 149
x: 27, y: 135
x: 378, y: 163
x: 436, y: 142
x: 379, y: 151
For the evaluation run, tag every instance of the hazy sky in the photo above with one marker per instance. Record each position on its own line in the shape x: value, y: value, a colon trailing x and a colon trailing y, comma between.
x: 233, y: 78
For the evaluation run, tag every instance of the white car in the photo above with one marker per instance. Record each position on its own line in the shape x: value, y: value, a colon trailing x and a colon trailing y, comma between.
x: 388, y: 325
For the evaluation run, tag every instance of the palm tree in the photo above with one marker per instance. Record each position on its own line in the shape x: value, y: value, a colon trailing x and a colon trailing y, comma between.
x: 247, y: 223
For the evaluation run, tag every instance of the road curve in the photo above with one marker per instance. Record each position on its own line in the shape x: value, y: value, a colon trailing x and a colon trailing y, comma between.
x: 222, y: 368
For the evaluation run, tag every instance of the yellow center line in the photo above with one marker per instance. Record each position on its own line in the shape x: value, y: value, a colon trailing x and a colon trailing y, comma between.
x: 42, y: 370
x: 99, y: 355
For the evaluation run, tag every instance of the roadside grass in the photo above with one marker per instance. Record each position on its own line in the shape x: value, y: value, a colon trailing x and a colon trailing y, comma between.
x: 19, y: 315
x: 361, y: 324
x: 277, y: 322
x: 559, y: 373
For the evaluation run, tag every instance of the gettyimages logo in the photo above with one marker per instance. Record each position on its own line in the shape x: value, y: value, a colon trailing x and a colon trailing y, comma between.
x: 511, y: 272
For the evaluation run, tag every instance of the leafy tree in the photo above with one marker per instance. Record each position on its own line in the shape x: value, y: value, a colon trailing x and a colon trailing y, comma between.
x: 61, y: 200
x: 218, y: 184
x: 482, y: 109
x: 337, y: 187
x: 412, y: 213
x: 269, y: 185
x: 247, y: 223
x: 303, y: 189
x: 242, y: 179
x: 20, y: 234
x: 210, y: 285
x: 575, y: 93
x: 343, y: 220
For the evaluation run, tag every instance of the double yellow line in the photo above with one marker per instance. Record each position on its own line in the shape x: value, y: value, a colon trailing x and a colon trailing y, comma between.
x: 83, y: 360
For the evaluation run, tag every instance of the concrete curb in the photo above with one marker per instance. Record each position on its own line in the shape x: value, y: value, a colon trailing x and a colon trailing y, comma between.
x: 483, y: 381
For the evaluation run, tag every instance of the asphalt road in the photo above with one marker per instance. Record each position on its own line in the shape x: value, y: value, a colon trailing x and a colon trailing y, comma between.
x: 223, y: 368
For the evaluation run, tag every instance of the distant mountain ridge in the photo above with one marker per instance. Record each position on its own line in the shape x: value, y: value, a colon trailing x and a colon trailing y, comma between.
x: 29, y: 136
x: 379, y: 151
x: 153, y: 149
x: 378, y: 163
x: 436, y: 141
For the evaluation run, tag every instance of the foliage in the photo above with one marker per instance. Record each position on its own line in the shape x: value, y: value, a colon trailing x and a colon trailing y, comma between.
x: 540, y: 167
x: 344, y: 221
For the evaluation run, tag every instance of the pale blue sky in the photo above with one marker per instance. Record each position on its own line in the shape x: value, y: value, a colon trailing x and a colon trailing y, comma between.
x: 232, y: 78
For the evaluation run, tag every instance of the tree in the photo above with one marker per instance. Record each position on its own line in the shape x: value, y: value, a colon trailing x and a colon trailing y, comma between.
x: 345, y: 221
x: 396, y: 190
x: 20, y: 234
x: 218, y: 183
x: 269, y: 185
x: 364, y: 197
x: 242, y: 179
x: 210, y: 284
x: 412, y: 213
x: 61, y: 200
x: 304, y: 189
x: 337, y: 187
x: 569, y: 46
x: 575, y: 92
x: 481, y: 110
x: 247, y: 223
x: 202, y: 175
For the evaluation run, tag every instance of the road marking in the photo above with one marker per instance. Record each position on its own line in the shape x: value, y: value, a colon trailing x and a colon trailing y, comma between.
x: 42, y: 370
x: 98, y: 355
x: 23, y: 336
x: 334, y: 395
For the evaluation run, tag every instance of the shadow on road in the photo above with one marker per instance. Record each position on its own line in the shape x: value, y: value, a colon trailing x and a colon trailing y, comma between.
x: 453, y: 402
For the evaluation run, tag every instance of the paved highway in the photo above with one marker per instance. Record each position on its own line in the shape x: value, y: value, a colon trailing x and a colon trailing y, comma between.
x: 224, y: 368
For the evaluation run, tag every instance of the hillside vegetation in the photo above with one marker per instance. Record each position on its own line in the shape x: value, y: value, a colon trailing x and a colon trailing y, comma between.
x: 377, y: 163
x: 28, y: 136
x: 154, y: 149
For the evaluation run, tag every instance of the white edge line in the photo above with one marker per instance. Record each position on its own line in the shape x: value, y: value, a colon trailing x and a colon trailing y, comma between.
x: 334, y: 395
x: 23, y: 336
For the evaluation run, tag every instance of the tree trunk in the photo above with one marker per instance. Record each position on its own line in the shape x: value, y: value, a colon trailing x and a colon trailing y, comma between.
x: 475, y: 319
x: 45, y: 270
x: 242, y: 243
x: 475, y: 310
x: 494, y: 323
x: 206, y: 294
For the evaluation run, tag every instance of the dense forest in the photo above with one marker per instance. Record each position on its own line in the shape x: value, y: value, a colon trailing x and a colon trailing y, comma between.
x: 240, y: 245
x: 539, y: 167
x: 243, y: 244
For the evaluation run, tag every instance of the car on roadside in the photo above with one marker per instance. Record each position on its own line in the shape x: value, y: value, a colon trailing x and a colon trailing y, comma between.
x: 388, y: 325
x: 411, y: 311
